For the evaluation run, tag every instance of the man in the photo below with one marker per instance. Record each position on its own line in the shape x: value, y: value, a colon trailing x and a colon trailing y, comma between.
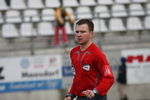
x: 93, y: 75
x: 122, y: 80
x: 60, y: 15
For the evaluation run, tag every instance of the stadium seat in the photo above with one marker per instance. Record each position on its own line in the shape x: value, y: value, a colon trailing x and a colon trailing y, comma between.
x: 70, y: 3
x: 68, y: 28
x: 103, y: 27
x: 31, y: 15
x: 102, y: 12
x: 3, y: 5
x: 87, y: 2
x: 52, y: 3
x: 136, y: 10
x: 13, y: 16
x: 35, y: 4
x: 148, y: 8
x: 48, y: 14
x: 139, y: 1
x: 134, y: 23
x: 147, y: 22
x: 27, y: 30
x: 96, y: 25
x: 105, y: 2
x: 18, y: 4
x: 45, y: 28
x: 119, y: 11
x: 122, y: 1
x: 9, y: 31
x: 116, y: 24
x: 84, y: 12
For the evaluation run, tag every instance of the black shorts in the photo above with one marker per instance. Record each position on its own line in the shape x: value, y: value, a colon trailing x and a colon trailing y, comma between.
x: 97, y: 97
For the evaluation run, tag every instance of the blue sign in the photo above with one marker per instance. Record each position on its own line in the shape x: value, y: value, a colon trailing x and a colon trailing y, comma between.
x: 30, y: 85
x: 67, y: 71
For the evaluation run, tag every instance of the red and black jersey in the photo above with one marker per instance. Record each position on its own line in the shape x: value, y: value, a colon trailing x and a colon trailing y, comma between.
x: 91, y: 70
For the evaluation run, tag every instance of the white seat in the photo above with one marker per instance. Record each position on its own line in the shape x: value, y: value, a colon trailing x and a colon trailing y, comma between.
x: 70, y: 3
x: 31, y: 15
x: 119, y: 11
x: 147, y: 22
x: 35, y: 4
x: 18, y: 4
x: 122, y: 1
x: 139, y: 1
x: 105, y: 2
x: 96, y: 25
x: 27, y: 30
x: 102, y: 12
x: 9, y: 31
x: 134, y: 23
x: 48, y: 14
x: 52, y: 3
x: 103, y: 27
x: 3, y: 5
x: 84, y: 12
x: 136, y: 10
x: 1, y: 18
x: 87, y: 2
x: 148, y: 8
x: 45, y: 28
x: 116, y: 24
x: 69, y: 30
x: 13, y: 16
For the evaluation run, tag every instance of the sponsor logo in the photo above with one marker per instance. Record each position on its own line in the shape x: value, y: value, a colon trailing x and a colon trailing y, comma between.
x: 25, y: 63
x: 138, y: 58
x: 86, y: 67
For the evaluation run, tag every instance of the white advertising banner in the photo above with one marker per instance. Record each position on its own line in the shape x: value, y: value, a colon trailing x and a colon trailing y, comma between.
x: 138, y: 65
x: 31, y: 72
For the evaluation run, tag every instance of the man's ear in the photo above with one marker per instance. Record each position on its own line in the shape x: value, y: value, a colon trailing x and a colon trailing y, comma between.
x: 92, y: 33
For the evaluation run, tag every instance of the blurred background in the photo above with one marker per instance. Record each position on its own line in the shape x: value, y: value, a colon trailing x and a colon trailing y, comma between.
x: 32, y: 68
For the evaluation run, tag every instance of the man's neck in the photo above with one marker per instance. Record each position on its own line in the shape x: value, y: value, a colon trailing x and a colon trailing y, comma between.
x: 85, y: 46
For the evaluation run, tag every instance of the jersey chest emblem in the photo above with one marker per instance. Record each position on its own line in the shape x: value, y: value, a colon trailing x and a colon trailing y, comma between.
x: 86, y: 67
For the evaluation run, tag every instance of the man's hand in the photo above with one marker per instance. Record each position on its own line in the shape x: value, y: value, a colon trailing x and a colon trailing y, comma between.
x: 89, y: 93
x: 67, y: 98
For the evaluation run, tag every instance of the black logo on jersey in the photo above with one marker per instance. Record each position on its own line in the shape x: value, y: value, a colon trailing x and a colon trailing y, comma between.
x: 1, y: 70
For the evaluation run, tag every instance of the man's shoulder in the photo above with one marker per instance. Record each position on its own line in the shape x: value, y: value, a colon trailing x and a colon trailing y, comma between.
x: 75, y: 49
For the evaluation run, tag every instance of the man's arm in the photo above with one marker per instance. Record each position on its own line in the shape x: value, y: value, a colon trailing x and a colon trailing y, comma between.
x: 106, y: 75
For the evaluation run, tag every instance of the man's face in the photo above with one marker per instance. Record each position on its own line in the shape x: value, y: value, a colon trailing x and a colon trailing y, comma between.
x: 82, y: 34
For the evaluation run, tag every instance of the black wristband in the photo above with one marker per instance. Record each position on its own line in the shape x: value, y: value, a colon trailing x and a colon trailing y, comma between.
x: 70, y: 95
